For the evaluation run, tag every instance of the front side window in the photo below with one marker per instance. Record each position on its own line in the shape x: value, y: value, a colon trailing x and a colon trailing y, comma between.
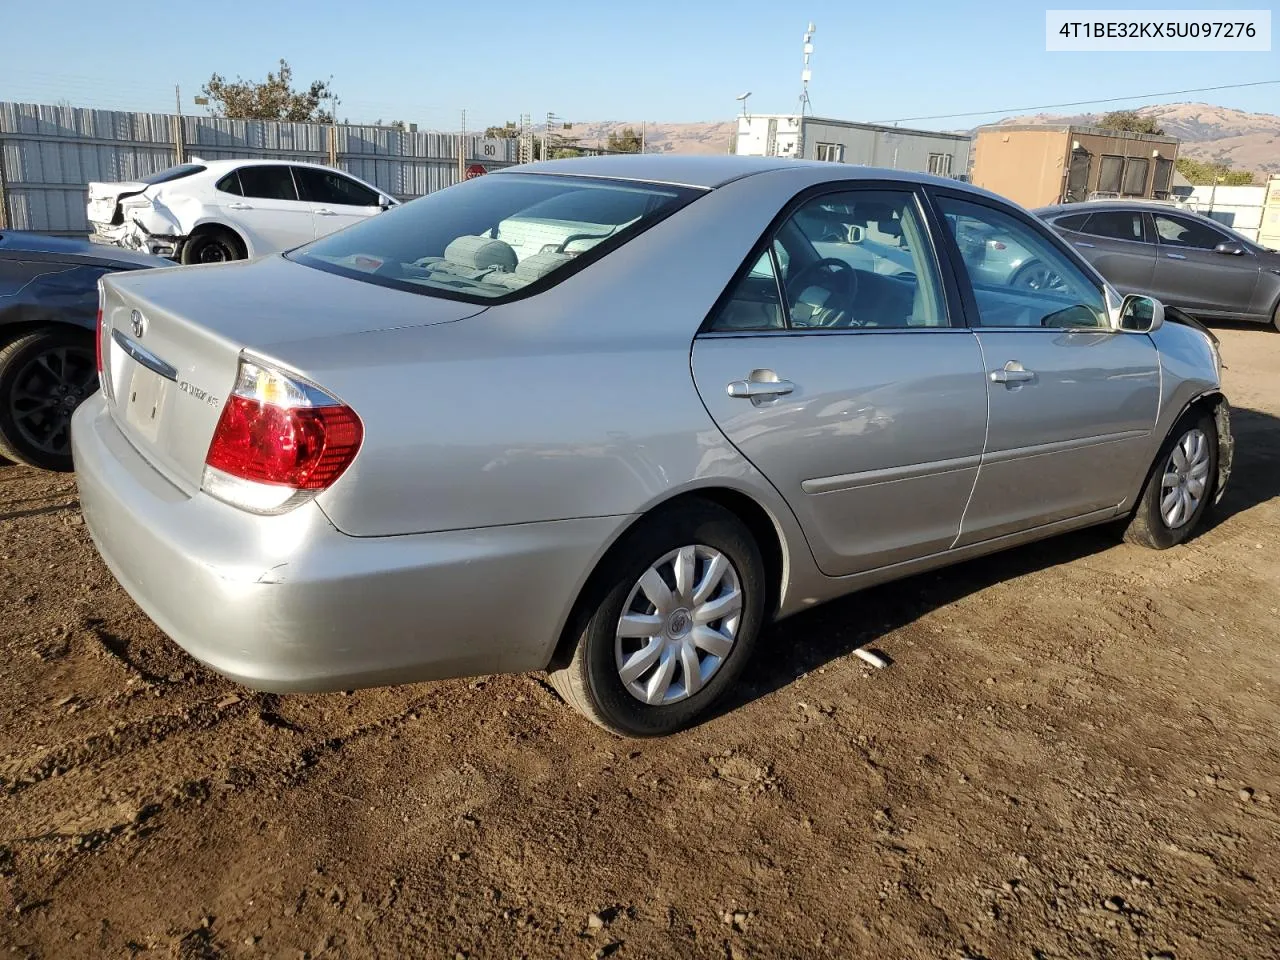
x: 325, y: 186
x: 1180, y: 232
x: 1115, y: 224
x: 1019, y: 276
x: 853, y: 260
x: 491, y: 237
x: 268, y: 182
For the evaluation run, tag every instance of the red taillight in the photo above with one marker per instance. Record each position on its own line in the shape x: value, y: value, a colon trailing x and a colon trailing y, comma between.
x: 279, y: 441
x: 304, y: 448
x: 97, y: 340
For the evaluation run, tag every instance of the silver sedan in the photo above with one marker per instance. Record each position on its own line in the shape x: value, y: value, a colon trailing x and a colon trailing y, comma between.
x: 609, y: 418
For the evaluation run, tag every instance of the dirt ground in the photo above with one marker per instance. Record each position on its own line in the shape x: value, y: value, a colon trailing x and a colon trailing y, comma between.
x: 1075, y: 753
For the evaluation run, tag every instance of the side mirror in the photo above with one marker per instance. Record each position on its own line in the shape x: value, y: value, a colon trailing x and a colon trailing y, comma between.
x: 1139, y: 314
x: 384, y: 203
x: 1230, y: 248
x: 856, y: 233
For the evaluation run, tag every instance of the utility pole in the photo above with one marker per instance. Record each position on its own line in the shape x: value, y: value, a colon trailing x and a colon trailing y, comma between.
x: 642, y: 137
x: 546, y: 137
x: 462, y: 149
x: 805, y: 75
x: 180, y: 154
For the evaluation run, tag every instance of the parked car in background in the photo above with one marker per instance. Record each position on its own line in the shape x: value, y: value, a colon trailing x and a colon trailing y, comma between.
x: 413, y: 450
x: 218, y: 210
x: 1177, y: 256
x: 48, y: 306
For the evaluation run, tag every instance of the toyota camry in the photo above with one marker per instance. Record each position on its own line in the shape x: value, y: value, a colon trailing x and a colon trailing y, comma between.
x: 610, y: 417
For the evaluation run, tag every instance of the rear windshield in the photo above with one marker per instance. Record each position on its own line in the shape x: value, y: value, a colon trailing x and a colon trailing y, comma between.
x: 173, y: 173
x: 496, y: 236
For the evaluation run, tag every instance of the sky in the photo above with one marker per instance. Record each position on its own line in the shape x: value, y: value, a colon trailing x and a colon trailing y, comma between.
x: 424, y: 61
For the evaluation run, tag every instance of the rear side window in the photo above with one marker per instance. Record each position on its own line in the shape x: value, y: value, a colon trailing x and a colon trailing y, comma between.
x: 268, y: 182
x: 1116, y: 225
x: 173, y: 173
x: 325, y: 186
x: 492, y: 237
x: 230, y: 184
x: 1074, y: 221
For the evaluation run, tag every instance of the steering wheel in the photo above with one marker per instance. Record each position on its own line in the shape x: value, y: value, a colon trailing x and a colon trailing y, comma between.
x: 838, y: 279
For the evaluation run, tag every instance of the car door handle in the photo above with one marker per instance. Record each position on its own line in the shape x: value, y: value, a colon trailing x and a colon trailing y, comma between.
x: 755, y: 389
x: 239, y: 206
x: 1012, y: 372
x: 1175, y: 256
x: 326, y: 212
x: 1081, y: 243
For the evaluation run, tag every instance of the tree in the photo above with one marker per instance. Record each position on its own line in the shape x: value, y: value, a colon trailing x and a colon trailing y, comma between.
x: 508, y: 132
x: 1132, y: 121
x: 272, y: 99
x: 628, y: 141
x: 1203, y: 173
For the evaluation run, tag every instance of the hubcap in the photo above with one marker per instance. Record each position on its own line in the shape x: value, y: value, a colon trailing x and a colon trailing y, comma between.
x: 1186, y: 475
x: 1040, y: 278
x: 46, y: 392
x: 678, y: 625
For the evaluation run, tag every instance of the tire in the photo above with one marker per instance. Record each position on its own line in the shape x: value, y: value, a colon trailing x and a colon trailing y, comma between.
x: 1034, y: 275
x: 213, y: 245
x: 1275, y: 319
x: 43, y: 377
x: 592, y: 682
x: 1151, y: 526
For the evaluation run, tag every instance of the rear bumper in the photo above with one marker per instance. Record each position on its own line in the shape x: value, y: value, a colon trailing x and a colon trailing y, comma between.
x: 288, y: 603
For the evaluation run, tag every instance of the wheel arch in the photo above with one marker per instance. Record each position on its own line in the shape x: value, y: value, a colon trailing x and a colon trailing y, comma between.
x: 1213, y: 402
x: 212, y: 226
x: 760, y: 523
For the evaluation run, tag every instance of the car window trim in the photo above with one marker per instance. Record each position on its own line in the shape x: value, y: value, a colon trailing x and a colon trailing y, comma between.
x: 950, y: 304
x: 970, y: 301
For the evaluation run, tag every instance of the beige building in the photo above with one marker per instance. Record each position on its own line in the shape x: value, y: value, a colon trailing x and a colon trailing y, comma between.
x: 1036, y: 165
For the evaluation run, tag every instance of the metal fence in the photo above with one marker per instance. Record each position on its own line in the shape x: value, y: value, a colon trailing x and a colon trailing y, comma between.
x: 49, y: 154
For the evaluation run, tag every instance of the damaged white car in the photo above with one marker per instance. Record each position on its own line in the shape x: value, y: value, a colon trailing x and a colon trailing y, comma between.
x: 216, y: 210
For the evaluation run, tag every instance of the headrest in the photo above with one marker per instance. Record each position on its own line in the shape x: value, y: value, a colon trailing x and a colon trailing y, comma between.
x: 481, y: 253
x: 540, y: 264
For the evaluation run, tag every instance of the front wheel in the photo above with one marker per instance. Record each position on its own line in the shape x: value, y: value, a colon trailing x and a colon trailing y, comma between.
x: 43, y: 378
x: 1179, y: 490
x: 673, y: 620
x: 1037, y: 276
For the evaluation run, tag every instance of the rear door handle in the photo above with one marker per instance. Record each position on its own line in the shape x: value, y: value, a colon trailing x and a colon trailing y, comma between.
x: 239, y: 206
x: 1175, y: 256
x: 1012, y: 372
x: 1081, y: 243
x: 326, y: 212
x: 757, y: 389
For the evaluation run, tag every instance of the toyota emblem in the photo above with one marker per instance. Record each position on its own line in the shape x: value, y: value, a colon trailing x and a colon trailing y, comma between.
x: 138, y: 322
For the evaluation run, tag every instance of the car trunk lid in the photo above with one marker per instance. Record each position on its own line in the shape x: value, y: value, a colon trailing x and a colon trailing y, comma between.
x: 172, y: 341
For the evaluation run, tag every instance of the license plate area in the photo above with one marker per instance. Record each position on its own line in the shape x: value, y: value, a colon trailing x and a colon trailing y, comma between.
x: 144, y: 401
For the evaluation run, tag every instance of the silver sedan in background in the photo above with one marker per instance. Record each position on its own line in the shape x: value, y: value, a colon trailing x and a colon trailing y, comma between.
x: 610, y: 417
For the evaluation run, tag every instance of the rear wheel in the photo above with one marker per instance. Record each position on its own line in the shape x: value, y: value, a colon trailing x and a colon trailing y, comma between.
x: 1275, y: 318
x: 673, y: 620
x: 43, y: 378
x: 1037, y: 276
x: 215, y: 245
x: 1179, y: 490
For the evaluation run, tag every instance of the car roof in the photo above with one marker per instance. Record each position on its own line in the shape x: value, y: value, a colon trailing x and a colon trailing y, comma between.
x: 716, y: 170
x: 1092, y: 206
x: 218, y: 166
